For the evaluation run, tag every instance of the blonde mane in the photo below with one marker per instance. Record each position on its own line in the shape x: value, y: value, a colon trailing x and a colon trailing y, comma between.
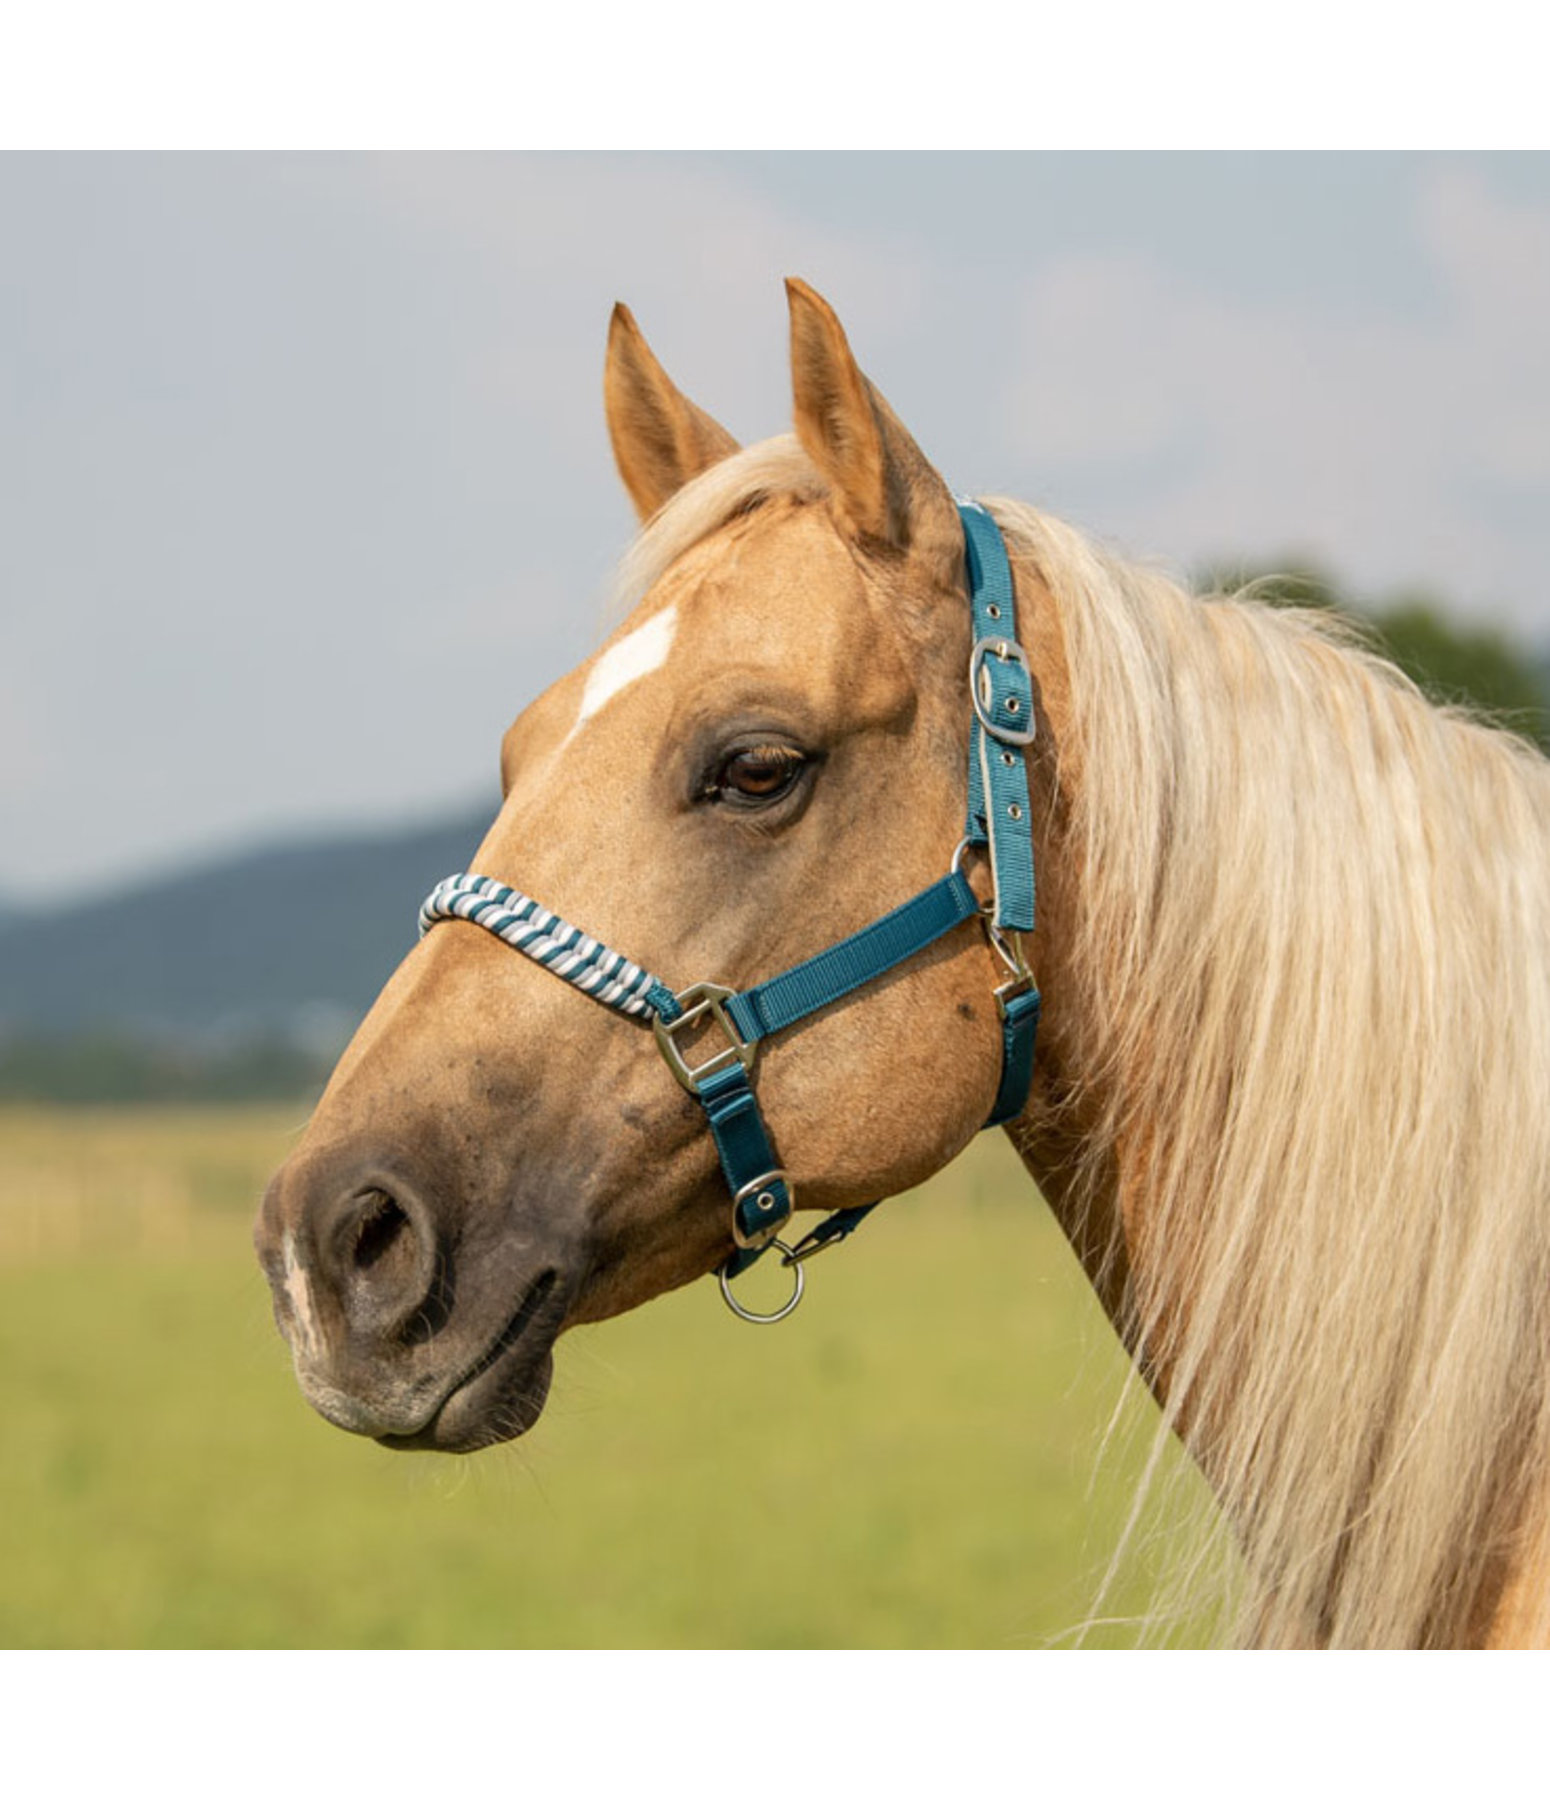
x: 1309, y: 1009
x: 1313, y: 984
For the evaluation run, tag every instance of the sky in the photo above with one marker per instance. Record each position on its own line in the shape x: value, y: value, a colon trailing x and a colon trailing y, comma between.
x: 305, y: 489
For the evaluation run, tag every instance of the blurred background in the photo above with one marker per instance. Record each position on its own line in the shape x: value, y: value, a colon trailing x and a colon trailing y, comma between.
x: 306, y: 493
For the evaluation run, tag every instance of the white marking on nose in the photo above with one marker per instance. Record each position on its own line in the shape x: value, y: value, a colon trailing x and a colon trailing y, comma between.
x: 638, y: 654
x: 308, y: 1341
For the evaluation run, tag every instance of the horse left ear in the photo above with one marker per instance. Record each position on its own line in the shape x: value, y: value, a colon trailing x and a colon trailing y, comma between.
x: 661, y: 439
x: 884, y: 488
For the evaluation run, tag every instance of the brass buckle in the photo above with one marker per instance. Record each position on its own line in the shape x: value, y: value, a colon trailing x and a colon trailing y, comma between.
x: 1008, y: 945
x: 703, y: 997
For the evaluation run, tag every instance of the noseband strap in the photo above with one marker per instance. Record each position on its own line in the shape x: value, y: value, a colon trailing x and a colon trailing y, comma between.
x: 516, y: 919
x: 763, y: 1197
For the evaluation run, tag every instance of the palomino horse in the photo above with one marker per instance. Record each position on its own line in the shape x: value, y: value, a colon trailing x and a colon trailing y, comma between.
x: 1290, y: 1095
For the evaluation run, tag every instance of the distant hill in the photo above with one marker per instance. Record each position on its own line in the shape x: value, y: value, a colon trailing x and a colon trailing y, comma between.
x: 290, y: 942
x: 243, y: 979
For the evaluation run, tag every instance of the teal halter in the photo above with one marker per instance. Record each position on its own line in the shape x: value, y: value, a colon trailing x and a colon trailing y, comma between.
x: 763, y: 1196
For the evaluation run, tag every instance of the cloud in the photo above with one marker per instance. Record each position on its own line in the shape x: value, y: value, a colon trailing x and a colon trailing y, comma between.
x: 1391, y: 443
x: 1494, y: 259
x: 309, y: 488
x: 312, y: 493
x: 696, y: 249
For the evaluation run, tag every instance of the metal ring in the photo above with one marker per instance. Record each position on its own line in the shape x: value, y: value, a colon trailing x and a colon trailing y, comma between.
x: 771, y: 1318
x: 987, y: 907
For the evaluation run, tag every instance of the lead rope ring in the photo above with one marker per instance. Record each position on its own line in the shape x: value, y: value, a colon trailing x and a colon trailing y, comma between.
x: 789, y: 1261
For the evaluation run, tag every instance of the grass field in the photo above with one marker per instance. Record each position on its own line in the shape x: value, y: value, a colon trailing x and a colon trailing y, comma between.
x: 908, y: 1461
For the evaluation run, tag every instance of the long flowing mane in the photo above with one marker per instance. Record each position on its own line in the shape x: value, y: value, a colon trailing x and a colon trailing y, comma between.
x: 1310, y: 1011
x: 1311, y: 950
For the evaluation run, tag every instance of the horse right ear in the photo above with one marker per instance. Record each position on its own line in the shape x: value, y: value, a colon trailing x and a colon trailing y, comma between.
x: 883, y: 487
x: 661, y: 439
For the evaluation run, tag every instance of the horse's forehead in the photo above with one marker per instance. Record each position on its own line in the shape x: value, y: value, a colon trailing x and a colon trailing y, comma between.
x: 777, y: 582
x: 772, y: 594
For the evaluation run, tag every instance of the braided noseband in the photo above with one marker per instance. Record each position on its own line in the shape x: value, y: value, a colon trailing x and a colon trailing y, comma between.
x: 564, y: 950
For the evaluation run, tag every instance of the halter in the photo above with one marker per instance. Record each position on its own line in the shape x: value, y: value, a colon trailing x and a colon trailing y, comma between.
x: 763, y: 1195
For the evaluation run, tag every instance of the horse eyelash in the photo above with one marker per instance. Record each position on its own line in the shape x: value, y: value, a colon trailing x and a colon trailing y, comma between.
x: 785, y: 754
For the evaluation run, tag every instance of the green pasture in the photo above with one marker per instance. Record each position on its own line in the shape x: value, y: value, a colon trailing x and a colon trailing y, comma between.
x: 908, y: 1461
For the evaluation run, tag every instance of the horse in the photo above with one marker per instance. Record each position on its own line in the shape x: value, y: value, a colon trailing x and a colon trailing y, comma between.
x: 1288, y: 1103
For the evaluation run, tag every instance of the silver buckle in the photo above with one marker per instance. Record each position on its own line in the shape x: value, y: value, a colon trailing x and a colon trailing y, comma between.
x: 767, y: 1180
x: 703, y: 997
x: 1004, y: 650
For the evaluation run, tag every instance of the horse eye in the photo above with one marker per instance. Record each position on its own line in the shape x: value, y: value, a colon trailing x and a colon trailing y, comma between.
x: 758, y: 776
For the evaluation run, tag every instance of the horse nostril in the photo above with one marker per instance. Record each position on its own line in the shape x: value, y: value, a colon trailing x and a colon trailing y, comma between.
x: 381, y: 1259
x: 382, y: 1230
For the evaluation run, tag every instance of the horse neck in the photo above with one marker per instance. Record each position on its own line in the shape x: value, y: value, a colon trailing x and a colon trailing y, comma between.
x: 1273, y: 1047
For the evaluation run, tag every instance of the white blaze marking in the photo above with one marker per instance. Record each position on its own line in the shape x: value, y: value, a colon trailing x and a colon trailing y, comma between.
x: 300, y: 1297
x: 638, y: 654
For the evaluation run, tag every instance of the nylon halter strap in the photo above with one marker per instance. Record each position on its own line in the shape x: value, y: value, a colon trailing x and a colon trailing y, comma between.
x: 763, y: 1195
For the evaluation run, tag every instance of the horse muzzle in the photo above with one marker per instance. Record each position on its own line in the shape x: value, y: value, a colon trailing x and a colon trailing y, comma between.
x: 399, y: 1328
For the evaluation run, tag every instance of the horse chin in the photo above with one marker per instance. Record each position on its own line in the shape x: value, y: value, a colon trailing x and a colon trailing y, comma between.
x: 492, y: 1409
x: 504, y: 1392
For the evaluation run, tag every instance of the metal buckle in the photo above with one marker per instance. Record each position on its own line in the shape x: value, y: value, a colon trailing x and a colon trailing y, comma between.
x: 766, y: 1181
x: 1004, y: 650
x: 703, y: 997
x: 1008, y: 945
x: 1013, y: 990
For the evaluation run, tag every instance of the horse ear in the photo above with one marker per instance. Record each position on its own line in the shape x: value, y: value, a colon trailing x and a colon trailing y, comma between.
x: 885, y: 488
x: 661, y: 439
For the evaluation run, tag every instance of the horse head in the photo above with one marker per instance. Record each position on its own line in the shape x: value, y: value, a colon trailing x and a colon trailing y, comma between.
x: 768, y: 753
x: 1289, y: 1109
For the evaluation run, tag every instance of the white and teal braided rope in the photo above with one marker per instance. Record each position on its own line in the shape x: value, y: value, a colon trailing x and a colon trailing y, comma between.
x: 564, y: 950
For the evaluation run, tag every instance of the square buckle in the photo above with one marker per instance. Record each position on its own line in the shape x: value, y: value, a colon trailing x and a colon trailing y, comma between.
x: 703, y: 997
